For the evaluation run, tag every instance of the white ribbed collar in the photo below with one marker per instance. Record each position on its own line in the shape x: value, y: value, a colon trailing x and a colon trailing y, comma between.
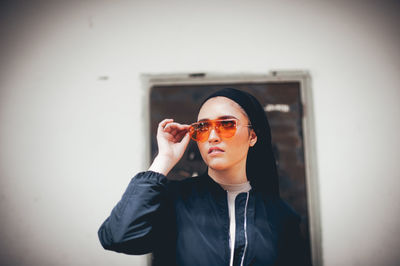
x: 237, y: 188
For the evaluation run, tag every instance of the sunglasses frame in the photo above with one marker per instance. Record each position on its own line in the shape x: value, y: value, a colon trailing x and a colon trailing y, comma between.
x: 214, y: 126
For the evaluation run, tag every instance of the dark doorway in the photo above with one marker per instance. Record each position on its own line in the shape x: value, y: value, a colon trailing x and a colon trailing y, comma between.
x: 282, y: 102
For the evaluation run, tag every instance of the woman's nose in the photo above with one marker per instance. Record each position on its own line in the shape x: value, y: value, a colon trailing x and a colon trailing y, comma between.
x: 214, y: 137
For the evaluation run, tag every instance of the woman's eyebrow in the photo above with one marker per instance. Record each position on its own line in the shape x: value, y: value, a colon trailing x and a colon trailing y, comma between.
x: 219, y: 117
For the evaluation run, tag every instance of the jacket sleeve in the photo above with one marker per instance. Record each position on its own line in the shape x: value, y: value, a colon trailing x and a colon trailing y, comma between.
x: 292, y: 245
x: 132, y: 224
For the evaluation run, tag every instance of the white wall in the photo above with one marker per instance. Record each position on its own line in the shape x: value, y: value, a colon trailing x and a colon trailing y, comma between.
x: 71, y: 117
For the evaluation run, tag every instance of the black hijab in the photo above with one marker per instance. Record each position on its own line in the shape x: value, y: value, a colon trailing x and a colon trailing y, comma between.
x: 260, y: 166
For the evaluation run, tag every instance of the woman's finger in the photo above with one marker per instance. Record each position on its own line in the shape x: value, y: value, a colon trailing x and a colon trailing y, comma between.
x: 185, y: 140
x: 164, y: 123
x: 180, y: 135
x: 170, y: 125
x: 183, y: 126
x: 176, y: 126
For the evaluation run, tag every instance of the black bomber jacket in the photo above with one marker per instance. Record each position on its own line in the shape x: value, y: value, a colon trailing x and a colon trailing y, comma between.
x: 187, y: 223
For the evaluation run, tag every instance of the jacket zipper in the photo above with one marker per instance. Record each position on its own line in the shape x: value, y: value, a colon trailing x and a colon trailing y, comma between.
x: 245, y: 228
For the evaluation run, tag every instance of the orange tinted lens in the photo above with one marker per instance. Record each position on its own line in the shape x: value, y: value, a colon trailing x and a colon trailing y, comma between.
x: 200, y: 131
x: 226, y: 128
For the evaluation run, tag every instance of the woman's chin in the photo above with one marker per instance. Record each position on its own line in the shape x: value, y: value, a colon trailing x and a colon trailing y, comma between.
x: 217, y: 165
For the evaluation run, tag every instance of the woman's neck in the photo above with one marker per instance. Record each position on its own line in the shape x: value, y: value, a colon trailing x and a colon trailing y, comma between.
x: 233, y: 175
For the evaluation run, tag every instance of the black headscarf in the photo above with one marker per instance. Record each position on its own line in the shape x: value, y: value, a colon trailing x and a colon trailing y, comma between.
x: 260, y: 166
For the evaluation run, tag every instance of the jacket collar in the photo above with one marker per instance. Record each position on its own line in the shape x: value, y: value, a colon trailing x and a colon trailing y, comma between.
x: 211, y: 185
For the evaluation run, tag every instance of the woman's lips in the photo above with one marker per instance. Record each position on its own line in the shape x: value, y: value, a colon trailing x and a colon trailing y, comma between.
x: 215, y: 150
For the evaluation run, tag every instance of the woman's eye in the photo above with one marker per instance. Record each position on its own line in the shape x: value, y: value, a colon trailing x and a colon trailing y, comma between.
x: 202, y: 126
x: 228, y: 123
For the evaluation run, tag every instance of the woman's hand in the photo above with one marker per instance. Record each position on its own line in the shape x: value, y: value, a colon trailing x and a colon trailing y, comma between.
x: 172, y: 140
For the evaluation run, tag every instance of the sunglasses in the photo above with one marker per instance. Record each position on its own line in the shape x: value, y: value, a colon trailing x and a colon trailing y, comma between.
x: 225, y: 128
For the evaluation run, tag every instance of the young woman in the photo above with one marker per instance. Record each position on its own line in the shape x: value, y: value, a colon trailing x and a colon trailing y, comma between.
x: 230, y: 215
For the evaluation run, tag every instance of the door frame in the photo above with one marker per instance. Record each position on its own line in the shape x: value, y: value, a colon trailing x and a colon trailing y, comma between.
x: 311, y: 169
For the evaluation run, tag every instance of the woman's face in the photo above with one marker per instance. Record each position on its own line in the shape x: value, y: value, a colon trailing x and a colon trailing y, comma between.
x: 224, y: 154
